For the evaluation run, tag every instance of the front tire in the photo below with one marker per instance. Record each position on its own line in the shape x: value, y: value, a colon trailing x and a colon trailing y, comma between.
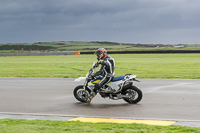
x: 81, y: 94
x: 134, y: 94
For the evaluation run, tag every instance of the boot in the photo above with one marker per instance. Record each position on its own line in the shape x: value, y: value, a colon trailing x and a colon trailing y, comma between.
x: 92, y: 95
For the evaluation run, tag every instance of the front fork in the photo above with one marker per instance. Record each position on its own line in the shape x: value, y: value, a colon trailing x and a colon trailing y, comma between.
x: 85, y: 83
x: 86, y: 87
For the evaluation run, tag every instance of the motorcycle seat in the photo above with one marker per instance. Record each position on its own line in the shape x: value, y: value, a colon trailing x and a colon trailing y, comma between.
x: 113, y: 80
x: 117, y: 78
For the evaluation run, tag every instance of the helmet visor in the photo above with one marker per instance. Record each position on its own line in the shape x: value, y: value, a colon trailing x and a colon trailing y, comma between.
x: 99, y: 53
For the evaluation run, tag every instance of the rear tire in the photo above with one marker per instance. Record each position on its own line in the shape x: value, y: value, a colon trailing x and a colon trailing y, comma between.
x: 134, y: 93
x: 81, y: 94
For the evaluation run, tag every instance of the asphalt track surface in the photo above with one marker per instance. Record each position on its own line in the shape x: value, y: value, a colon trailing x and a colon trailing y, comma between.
x: 163, y: 99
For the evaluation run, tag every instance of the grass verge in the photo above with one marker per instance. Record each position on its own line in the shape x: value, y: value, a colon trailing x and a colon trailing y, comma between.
x: 170, y: 66
x: 47, y: 126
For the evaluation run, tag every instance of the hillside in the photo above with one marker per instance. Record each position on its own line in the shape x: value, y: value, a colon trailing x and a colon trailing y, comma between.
x: 90, y: 46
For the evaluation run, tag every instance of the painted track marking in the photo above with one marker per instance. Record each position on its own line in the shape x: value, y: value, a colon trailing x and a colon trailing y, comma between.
x: 124, y: 121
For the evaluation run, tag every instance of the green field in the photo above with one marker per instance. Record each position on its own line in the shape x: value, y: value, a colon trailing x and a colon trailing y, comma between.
x: 46, y: 126
x: 163, y: 66
x: 183, y: 66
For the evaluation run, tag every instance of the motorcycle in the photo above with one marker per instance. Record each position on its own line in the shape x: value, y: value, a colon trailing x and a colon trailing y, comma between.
x: 119, y: 88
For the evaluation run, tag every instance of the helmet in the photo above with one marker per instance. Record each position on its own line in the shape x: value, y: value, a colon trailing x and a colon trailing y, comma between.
x: 101, y: 53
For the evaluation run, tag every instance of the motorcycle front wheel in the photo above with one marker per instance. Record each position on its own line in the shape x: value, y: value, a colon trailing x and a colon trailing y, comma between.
x: 81, y: 94
x: 134, y: 95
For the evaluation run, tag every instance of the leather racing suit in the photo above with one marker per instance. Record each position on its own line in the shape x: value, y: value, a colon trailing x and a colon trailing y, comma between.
x: 107, y: 70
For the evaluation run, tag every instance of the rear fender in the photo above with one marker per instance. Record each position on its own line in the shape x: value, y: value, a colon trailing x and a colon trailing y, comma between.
x: 133, y: 77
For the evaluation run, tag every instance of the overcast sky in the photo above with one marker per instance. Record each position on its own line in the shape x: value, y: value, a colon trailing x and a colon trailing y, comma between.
x: 125, y: 21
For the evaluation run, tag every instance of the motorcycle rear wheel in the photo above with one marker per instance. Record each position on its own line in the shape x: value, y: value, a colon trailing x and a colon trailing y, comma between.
x: 81, y: 94
x: 134, y: 93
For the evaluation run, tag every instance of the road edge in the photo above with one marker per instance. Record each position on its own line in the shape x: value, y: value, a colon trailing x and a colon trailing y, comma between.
x: 95, y: 119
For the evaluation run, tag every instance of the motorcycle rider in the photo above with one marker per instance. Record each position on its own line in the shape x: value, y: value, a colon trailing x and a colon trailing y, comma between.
x: 107, y: 69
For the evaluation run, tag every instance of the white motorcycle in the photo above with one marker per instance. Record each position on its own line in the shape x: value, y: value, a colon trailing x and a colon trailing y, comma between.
x: 119, y: 88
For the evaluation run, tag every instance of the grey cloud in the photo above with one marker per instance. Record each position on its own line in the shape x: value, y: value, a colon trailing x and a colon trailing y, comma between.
x: 136, y: 21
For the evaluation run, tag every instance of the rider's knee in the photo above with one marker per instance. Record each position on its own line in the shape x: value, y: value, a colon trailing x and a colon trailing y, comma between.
x: 97, y: 86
